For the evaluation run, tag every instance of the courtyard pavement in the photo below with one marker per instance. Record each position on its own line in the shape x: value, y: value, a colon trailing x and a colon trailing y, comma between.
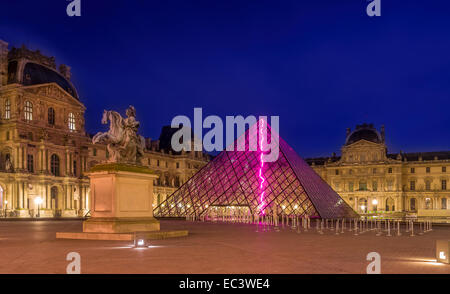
x: 31, y: 247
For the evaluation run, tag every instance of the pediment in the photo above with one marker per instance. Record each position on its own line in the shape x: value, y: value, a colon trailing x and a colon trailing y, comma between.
x: 363, y: 143
x: 52, y: 90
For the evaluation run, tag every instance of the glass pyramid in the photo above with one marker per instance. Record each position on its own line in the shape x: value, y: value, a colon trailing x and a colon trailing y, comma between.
x: 240, y: 180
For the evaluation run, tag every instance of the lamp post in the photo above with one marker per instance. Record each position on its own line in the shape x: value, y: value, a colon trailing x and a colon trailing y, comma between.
x: 38, y: 201
x: 375, y: 203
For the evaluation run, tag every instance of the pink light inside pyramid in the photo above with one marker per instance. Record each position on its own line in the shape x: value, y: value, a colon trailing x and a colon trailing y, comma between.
x: 261, y: 176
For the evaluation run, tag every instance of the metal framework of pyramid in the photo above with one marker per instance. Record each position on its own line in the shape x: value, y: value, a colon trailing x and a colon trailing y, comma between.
x: 232, y: 179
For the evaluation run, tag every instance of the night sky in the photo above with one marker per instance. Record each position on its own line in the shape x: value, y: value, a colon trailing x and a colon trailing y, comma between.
x: 322, y: 66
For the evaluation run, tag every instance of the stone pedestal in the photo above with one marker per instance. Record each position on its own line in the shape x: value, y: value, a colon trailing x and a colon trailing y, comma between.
x: 121, y: 199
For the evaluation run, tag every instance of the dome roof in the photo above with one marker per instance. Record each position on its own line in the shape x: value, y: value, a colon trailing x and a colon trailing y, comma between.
x: 364, y: 132
x: 34, y: 74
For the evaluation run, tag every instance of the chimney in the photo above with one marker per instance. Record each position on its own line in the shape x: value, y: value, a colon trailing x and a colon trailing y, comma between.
x: 65, y: 71
x: 3, y: 63
x: 382, y: 133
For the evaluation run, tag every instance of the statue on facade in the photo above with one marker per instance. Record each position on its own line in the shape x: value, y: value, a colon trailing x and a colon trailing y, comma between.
x: 124, y: 145
x: 8, y: 165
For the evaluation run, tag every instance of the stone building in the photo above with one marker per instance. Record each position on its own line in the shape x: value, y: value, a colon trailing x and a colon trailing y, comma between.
x: 44, y: 149
x: 372, y: 180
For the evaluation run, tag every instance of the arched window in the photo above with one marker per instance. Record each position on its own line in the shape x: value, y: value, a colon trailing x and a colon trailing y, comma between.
x: 71, y: 122
x: 54, y: 165
x: 51, y: 116
x: 7, y: 109
x: 412, y: 204
x: 28, y: 111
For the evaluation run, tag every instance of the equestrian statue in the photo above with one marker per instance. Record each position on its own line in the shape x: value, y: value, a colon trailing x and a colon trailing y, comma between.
x: 124, y: 145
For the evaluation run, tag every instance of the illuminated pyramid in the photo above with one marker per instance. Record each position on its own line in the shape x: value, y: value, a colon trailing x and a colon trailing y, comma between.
x: 233, y: 179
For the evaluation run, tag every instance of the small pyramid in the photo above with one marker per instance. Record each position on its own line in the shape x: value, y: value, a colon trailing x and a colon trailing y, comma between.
x: 241, y: 179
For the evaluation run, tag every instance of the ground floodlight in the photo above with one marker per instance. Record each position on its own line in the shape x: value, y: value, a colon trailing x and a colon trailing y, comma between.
x: 442, y: 251
x: 140, y: 240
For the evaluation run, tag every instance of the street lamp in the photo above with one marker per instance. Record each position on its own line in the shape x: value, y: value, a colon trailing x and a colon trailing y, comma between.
x: 375, y: 203
x: 38, y: 201
x: 363, y: 208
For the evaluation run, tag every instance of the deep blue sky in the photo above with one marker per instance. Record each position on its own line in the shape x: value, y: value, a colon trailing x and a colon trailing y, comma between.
x: 321, y: 66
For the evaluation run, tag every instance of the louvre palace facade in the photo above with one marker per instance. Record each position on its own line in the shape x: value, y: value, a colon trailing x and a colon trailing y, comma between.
x: 372, y: 180
x: 45, y: 150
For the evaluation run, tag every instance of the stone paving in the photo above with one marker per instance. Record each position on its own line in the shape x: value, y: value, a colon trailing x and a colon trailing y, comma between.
x: 31, y: 247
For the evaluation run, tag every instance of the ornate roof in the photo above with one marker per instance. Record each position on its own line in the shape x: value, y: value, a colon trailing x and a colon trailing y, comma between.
x: 34, y: 74
x: 364, y: 132
x: 29, y: 67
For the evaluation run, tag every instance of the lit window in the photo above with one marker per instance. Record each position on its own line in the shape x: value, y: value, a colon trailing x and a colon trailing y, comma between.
x: 444, y: 169
x: 336, y: 172
x: 375, y: 186
x: 444, y: 184
x: 427, y: 185
x: 390, y: 170
x: 7, y: 109
x: 427, y: 170
x: 413, y: 170
x: 178, y: 165
x: 350, y: 186
x: 51, y: 116
x: 71, y: 122
x: 28, y: 111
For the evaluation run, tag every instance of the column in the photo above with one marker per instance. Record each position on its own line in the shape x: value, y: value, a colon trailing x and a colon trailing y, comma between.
x: 64, y: 197
x: 25, y: 157
x: 22, y: 165
x: 81, y: 195
x: 70, y: 164
x: 39, y: 160
x: 46, y: 160
x: 66, y: 161
x: 47, y: 197
x: 17, y: 196
x: 71, y: 197
x: 17, y: 158
x: 24, y: 197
